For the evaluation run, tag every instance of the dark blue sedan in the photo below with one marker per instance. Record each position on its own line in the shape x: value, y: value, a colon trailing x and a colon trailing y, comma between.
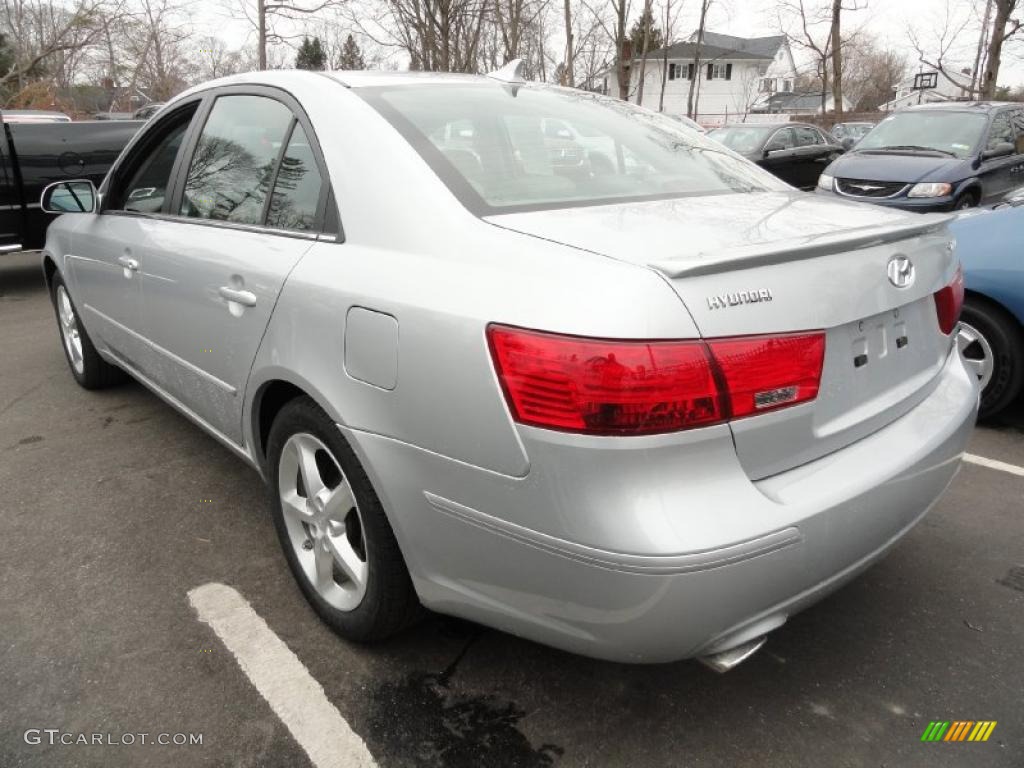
x: 934, y: 157
x: 991, y: 246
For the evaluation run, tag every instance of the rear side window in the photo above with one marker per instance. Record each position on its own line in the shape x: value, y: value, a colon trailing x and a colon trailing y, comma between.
x: 232, y: 168
x: 293, y: 204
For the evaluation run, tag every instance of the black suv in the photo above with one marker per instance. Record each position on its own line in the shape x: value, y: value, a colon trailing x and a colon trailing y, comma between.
x: 935, y: 157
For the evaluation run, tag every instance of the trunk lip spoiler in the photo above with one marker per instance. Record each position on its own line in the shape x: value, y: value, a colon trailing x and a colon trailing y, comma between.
x: 797, y: 249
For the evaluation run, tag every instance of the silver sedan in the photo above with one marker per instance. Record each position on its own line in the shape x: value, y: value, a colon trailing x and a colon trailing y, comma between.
x: 609, y: 387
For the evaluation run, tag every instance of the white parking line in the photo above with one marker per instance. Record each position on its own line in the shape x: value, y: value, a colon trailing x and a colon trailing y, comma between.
x: 281, y: 679
x: 1002, y: 466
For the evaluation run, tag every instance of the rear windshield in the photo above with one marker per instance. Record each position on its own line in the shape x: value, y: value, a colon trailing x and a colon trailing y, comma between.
x: 502, y: 148
x: 949, y: 133
x: 743, y: 138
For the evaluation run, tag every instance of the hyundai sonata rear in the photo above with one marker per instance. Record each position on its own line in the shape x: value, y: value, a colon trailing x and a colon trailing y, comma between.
x: 554, y: 363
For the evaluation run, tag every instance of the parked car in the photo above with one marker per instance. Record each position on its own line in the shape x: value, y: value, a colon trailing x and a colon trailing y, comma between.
x: 848, y: 134
x: 693, y: 125
x: 934, y: 157
x: 33, y: 116
x: 35, y: 154
x: 991, y: 336
x: 643, y: 414
x: 795, y: 152
x: 146, y: 112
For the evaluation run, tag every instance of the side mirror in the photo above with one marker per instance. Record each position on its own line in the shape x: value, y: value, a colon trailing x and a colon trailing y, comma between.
x: 773, y: 148
x: 78, y: 196
x: 848, y: 142
x: 999, y: 150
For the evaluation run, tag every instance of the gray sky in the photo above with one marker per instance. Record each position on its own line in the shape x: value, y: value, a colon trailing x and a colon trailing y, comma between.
x: 887, y: 20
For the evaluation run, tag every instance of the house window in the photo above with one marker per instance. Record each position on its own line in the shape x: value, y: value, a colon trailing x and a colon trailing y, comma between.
x: 767, y: 85
x: 719, y: 71
x: 674, y: 71
x: 787, y: 86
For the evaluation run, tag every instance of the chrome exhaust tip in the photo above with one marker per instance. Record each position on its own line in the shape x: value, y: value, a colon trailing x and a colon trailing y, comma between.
x: 723, y: 661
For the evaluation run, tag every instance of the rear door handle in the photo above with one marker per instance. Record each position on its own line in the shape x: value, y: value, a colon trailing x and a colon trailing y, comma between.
x: 128, y: 263
x: 245, y: 298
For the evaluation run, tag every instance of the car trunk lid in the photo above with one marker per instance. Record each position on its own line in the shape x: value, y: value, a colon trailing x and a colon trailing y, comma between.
x: 776, y: 263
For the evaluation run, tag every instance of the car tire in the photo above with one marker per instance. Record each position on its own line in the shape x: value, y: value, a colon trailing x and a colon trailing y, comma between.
x: 89, y: 369
x: 965, y: 201
x: 337, y: 540
x: 993, y: 347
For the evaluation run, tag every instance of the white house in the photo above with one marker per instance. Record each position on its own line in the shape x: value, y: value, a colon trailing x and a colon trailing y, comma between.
x: 944, y: 90
x: 735, y: 75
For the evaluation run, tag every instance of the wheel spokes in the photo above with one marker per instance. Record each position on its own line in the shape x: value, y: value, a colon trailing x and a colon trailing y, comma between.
x: 348, y: 561
x: 312, y: 482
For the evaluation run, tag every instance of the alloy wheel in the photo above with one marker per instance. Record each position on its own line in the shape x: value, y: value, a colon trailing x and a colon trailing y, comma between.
x: 69, y: 330
x: 976, y: 351
x: 323, y: 521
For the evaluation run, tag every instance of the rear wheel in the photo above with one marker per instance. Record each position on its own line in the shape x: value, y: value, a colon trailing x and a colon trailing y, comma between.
x: 993, y: 349
x: 335, y: 535
x: 89, y: 369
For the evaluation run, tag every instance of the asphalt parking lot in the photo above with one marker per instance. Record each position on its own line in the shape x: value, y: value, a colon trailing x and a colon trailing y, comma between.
x: 113, y: 508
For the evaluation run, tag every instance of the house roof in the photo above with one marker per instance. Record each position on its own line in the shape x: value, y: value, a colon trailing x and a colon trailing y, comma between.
x: 718, y: 46
x: 757, y: 47
x: 794, y: 100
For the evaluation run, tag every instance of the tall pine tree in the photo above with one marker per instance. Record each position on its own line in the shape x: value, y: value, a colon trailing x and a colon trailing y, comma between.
x: 636, y: 34
x: 351, y: 56
x: 311, y: 54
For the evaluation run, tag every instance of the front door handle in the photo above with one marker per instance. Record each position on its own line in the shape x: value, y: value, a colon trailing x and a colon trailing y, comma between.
x: 245, y: 298
x: 128, y: 263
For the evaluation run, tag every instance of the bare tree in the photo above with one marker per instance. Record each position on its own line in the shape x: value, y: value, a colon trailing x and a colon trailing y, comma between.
x: 647, y: 19
x: 1004, y: 27
x: 666, y: 42
x: 939, y: 45
x: 569, y: 70
x: 212, y: 59
x: 691, y: 105
x: 40, y: 31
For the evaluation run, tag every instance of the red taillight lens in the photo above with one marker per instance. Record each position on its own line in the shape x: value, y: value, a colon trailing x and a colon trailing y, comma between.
x: 605, y: 387
x: 949, y: 301
x: 642, y: 387
x: 766, y: 372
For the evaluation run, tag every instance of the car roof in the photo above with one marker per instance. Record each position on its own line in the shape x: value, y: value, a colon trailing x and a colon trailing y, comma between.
x: 959, y: 106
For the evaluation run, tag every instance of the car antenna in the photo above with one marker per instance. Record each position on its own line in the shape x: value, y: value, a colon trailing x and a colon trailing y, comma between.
x: 513, y: 74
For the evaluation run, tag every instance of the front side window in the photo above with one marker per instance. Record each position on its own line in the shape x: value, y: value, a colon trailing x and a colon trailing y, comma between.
x: 149, y: 176
x: 488, y: 143
x: 784, y: 139
x: 293, y: 204
x: 231, y: 171
x: 1001, y: 131
x: 806, y: 136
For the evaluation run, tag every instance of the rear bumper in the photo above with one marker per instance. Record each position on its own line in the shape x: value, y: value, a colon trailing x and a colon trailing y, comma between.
x: 676, y: 558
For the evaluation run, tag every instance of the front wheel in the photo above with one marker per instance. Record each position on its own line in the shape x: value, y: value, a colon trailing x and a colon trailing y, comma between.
x: 89, y: 369
x: 332, y: 527
x: 993, y: 349
x: 965, y: 201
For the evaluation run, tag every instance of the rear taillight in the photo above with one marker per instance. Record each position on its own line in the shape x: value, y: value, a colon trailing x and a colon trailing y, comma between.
x: 765, y: 372
x: 611, y: 387
x: 949, y: 301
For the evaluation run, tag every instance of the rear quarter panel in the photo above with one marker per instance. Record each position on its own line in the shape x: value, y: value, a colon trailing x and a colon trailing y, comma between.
x: 413, y: 252
x: 991, y: 248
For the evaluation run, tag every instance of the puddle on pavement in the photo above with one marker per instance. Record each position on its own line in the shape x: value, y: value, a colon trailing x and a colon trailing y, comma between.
x: 420, y: 721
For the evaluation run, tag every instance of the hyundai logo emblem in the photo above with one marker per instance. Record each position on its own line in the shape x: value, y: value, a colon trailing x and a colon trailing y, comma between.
x: 900, y: 271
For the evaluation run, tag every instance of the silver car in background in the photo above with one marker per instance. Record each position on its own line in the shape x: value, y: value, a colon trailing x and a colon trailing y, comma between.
x: 637, y: 399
